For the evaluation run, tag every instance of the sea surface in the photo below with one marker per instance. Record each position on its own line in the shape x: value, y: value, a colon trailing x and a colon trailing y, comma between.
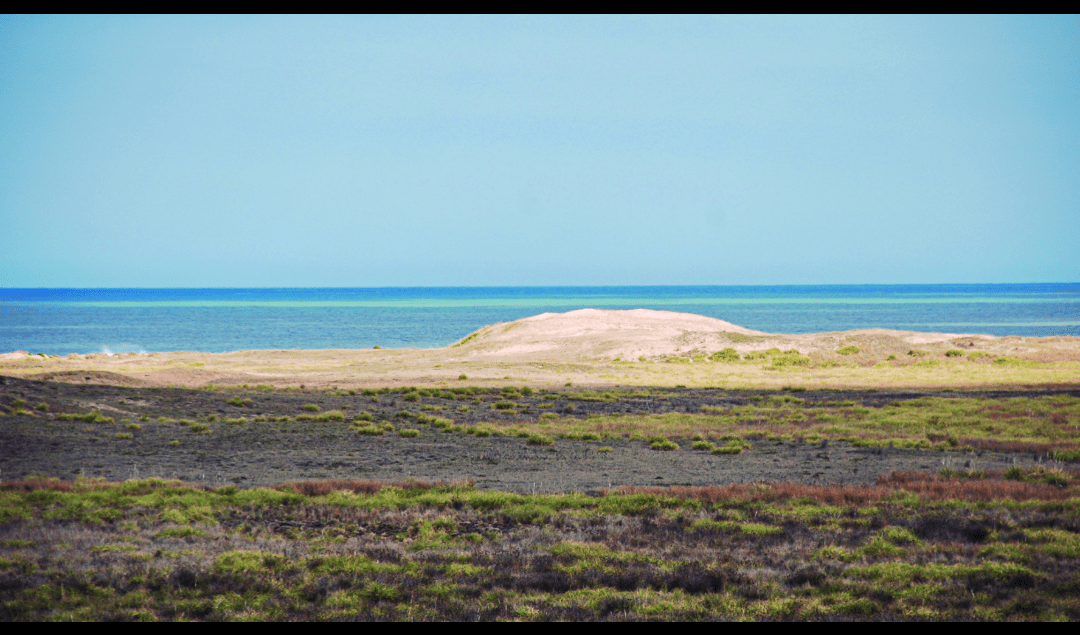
x: 62, y: 321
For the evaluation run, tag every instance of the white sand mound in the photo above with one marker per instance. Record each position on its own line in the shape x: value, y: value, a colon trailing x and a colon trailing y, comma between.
x: 604, y: 333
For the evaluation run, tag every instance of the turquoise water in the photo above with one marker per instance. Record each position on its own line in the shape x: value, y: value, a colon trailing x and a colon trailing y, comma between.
x: 61, y: 321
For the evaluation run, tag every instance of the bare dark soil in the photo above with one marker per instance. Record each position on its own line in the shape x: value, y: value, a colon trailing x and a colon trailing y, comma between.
x: 264, y: 453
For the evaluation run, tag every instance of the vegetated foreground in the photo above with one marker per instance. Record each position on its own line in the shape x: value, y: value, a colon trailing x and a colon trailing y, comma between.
x: 915, y: 546
x: 795, y: 504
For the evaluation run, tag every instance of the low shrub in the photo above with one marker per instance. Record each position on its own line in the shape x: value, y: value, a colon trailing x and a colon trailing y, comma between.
x: 954, y: 352
x: 538, y: 439
x: 790, y: 358
x: 43, y: 407
x: 412, y: 396
x: 918, y: 352
x: 661, y: 443
x: 91, y: 417
x: 849, y: 350
x: 727, y: 355
x: 310, y: 408
x: 408, y: 433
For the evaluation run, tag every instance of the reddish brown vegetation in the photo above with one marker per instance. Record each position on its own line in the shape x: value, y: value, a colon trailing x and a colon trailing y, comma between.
x: 320, y: 488
x: 1021, y: 447
x: 930, y: 486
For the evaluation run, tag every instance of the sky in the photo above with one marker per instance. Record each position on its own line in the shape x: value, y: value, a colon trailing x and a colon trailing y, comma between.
x: 486, y: 151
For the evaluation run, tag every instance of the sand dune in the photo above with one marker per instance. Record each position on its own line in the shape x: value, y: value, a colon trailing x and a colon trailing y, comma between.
x: 629, y: 335
x: 597, y: 347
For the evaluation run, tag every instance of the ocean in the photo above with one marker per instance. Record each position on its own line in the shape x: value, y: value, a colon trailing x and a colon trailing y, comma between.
x: 62, y: 321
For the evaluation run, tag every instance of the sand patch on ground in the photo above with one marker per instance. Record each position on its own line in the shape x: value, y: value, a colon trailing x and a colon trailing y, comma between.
x: 592, y: 347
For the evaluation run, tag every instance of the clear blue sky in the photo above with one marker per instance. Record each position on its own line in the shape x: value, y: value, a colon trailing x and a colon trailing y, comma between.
x: 402, y: 151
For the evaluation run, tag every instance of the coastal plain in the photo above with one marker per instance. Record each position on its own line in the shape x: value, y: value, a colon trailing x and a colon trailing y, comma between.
x: 593, y: 465
x: 601, y: 348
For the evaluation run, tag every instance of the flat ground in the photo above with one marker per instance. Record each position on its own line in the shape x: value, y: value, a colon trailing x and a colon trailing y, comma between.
x: 585, y: 440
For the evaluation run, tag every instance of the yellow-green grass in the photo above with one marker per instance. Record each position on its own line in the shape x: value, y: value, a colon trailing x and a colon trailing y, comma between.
x: 172, y: 552
x: 357, y: 369
x: 1046, y: 423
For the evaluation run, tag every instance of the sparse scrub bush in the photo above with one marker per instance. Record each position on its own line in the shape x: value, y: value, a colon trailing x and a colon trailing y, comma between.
x: 43, y: 407
x: 918, y: 352
x: 662, y: 443
x: 790, y: 359
x: 727, y: 355
x: 849, y: 350
x: 538, y: 439
x: 91, y: 417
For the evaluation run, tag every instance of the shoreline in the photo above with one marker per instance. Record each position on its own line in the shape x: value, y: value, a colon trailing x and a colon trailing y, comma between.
x: 604, y: 348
